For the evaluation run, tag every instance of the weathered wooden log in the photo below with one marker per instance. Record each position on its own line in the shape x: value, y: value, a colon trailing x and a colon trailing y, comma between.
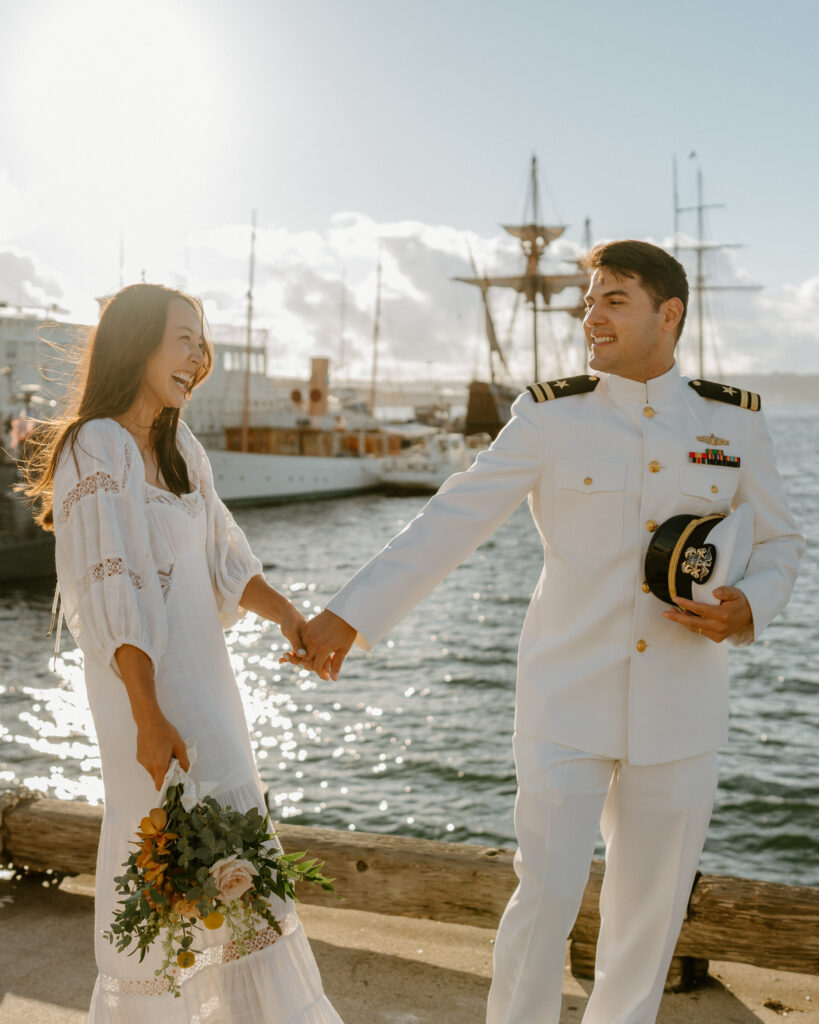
x: 762, y: 923
x: 452, y: 882
x: 684, y: 973
x: 42, y: 834
x: 767, y: 924
x: 743, y: 920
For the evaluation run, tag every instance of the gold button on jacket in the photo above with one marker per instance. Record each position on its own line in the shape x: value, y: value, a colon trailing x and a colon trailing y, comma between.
x: 654, y: 466
x: 648, y: 412
x: 651, y: 526
x: 641, y: 645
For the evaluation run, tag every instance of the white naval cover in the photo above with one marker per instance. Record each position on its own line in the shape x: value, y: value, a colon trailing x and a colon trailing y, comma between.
x: 733, y: 538
x: 583, y: 461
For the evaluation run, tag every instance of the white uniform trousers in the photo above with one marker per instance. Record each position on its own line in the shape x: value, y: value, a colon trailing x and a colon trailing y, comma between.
x: 653, y: 819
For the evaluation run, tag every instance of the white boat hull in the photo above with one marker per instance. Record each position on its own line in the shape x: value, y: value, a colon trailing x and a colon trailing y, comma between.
x: 247, y: 477
x: 415, y: 481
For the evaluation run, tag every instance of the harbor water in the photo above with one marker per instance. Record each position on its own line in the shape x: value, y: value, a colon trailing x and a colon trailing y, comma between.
x: 415, y: 738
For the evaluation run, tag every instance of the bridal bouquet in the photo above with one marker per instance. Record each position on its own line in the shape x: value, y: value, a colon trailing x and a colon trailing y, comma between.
x: 201, y: 864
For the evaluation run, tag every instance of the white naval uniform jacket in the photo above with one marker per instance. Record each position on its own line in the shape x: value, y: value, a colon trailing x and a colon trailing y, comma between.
x: 599, y: 469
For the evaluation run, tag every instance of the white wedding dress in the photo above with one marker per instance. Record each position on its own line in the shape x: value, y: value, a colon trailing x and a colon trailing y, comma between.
x: 138, y: 565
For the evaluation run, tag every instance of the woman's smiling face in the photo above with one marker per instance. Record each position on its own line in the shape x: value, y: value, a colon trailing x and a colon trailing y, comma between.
x: 170, y: 369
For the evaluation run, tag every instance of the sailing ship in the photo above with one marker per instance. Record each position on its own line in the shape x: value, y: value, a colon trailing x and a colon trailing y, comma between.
x: 489, y: 402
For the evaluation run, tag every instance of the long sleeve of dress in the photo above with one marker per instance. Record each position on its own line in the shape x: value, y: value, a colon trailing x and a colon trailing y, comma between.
x: 231, y: 562
x: 110, y: 590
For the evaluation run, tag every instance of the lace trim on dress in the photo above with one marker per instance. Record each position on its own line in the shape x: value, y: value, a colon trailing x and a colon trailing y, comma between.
x: 187, y: 502
x: 165, y: 577
x: 223, y: 954
x: 98, y: 481
x: 110, y: 567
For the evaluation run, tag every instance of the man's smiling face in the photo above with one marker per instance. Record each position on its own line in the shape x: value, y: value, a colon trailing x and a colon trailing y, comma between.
x: 627, y: 333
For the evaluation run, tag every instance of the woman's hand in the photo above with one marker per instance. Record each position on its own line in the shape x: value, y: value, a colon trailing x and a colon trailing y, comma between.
x: 291, y: 624
x: 261, y: 598
x: 157, y: 742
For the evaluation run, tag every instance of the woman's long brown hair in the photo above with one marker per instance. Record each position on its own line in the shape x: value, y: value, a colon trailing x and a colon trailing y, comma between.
x: 106, y: 380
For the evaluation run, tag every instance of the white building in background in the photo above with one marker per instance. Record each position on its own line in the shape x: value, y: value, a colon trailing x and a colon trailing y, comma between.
x: 34, y: 365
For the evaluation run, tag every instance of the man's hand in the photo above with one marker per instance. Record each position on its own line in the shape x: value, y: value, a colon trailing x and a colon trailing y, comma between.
x: 715, y: 621
x: 325, y: 640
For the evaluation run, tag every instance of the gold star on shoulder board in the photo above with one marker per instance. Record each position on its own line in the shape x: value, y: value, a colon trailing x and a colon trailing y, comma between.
x: 561, y: 383
x: 729, y: 391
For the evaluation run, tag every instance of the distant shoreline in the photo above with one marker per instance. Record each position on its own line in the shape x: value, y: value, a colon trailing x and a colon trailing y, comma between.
x: 775, y: 389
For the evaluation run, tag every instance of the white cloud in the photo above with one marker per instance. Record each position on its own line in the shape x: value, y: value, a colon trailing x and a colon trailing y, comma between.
x: 753, y: 329
x: 24, y: 281
x: 430, y: 324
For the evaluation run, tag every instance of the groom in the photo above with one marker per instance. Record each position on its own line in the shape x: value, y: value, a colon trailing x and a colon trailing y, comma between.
x: 621, y: 705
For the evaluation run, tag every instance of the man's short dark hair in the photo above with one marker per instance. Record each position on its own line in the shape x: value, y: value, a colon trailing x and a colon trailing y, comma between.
x: 661, y: 275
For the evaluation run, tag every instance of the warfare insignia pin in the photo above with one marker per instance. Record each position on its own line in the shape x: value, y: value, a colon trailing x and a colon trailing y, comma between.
x: 713, y: 440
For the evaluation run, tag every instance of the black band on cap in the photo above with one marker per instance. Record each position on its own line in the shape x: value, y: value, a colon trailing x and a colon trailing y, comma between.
x: 678, y: 556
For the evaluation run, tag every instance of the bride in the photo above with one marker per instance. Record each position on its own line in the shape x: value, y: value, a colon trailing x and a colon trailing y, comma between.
x: 151, y: 569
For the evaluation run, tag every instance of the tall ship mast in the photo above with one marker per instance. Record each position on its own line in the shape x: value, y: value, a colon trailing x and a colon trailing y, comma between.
x: 537, y: 288
x: 700, y: 247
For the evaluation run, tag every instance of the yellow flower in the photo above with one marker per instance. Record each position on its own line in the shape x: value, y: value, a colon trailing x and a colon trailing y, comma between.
x: 214, y: 920
x: 158, y: 818
x: 186, y: 959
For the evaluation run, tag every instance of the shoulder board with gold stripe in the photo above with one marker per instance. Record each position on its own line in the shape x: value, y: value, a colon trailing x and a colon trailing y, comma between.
x: 562, y: 387
x: 725, y: 393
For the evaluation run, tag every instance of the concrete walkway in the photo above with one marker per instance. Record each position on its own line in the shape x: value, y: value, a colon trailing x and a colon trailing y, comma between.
x: 376, y: 969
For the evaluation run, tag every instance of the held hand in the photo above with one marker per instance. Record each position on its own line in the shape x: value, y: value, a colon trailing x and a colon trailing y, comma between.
x: 326, y: 639
x: 157, y: 742
x: 292, y: 626
x: 715, y: 621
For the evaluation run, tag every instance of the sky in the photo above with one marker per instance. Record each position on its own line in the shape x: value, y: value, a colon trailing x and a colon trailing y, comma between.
x: 137, y: 139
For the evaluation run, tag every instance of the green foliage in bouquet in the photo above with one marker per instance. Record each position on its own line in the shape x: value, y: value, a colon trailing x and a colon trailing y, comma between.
x: 205, y: 867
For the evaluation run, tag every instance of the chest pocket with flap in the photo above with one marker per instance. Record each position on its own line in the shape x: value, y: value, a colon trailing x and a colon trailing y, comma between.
x: 588, y: 507
x: 714, y: 484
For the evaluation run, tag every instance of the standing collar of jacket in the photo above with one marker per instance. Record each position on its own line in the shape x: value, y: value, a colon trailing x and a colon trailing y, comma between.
x: 650, y: 392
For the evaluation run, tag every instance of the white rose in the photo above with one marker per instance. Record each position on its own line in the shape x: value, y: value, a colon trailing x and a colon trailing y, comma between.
x: 233, y: 877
